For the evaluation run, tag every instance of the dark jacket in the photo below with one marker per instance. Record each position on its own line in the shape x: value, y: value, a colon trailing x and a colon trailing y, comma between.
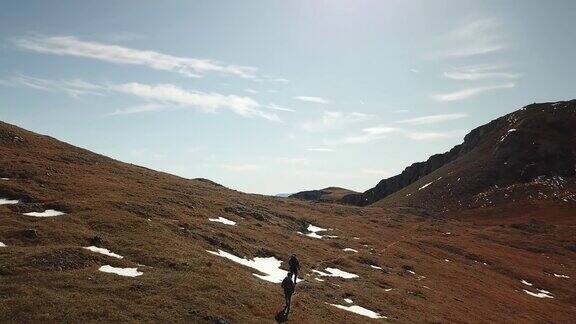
x: 288, y: 286
x: 294, y: 263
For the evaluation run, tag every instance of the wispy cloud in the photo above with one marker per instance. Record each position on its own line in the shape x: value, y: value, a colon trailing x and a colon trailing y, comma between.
x: 145, y: 153
x: 293, y: 160
x: 375, y: 172
x: 279, y: 80
x: 73, y: 87
x: 367, y: 135
x: 169, y: 93
x: 72, y: 46
x: 331, y: 120
x: 480, y: 72
x: 279, y: 108
x: 138, y: 109
x: 423, y: 136
x: 159, y: 96
x: 469, y: 92
x: 320, y: 149
x: 432, y: 119
x: 376, y: 133
x: 476, y: 37
x: 318, y: 100
x: 251, y: 91
x: 240, y: 167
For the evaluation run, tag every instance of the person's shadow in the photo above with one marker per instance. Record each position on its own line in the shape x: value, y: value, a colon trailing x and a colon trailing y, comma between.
x: 282, y: 316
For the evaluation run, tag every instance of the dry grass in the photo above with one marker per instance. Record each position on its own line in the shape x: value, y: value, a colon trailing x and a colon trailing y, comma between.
x: 159, y: 223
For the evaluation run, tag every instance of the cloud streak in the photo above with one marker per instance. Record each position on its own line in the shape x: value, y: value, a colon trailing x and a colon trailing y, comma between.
x: 318, y: 100
x: 469, y: 92
x: 158, y: 96
x: 72, y: 46
x: 424, y: 136
x: 476, y: 37
x: 320, y: 149
x: 367, y: 135
x: 138, y: 109
x: 479, y: 72
x: 332, y: 120
x: 432, y: 119
x: 240, y: 167
x: 209, y: 102
x: 73, y: 87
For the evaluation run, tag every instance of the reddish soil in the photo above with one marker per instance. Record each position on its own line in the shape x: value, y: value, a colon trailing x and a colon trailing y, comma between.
x: 159, y: 223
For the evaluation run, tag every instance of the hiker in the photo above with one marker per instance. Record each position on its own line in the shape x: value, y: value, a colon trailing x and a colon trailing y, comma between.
x: 288, y: 286
x: 294, y: 267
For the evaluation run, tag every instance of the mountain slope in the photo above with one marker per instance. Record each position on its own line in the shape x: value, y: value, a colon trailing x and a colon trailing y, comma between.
x: 329, y: 195
x: 163, y: 226
x: 536, y: 144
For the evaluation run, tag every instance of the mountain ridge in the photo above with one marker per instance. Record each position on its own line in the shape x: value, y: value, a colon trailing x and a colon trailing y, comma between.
x: 555, y: 159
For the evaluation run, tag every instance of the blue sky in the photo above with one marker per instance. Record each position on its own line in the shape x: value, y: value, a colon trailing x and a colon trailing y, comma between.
x: 279, y: 96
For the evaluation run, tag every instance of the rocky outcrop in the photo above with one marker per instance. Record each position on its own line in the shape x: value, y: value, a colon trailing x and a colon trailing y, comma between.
x: 534, y: 141
x: 330, y: 194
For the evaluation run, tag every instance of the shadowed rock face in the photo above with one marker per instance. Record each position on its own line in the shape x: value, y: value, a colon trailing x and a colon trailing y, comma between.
x: 538, y: 140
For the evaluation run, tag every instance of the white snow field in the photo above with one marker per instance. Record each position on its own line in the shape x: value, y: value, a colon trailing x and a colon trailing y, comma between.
x: 358, y: 310
x: 314, y: 232
x: 269, y: 266
x: 526, y: 283
x: 429, y: 183
x: 4, y: 201
x: 103, y: 251
x: 46, y: 213
x: 222, y: 220
x: 334, y: 272
x: 125, y: 272
x: 540, y: 294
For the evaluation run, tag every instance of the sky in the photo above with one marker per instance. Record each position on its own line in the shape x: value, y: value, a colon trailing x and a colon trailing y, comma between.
x: 274, y: 96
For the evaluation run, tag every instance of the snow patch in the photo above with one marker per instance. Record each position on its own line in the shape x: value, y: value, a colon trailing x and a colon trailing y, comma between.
x: 2, y: 244
x: 561, y: 276
x: 360, y: 311
x: 4, y: 201
x: 46, y: 213
x: 126, y: 272
x: 540, y: 294
x: 5, y: 179
x: 270, y: 267
x: 375, y: 267
x: 348, y: 300
x: 426, y: 185
x: 334, y: 272
x: 222, y: 220
x: 526, y: 283
x: 350, y: 250
x: 103, y: 251
x: 314, y: 232
x: 429, y: 183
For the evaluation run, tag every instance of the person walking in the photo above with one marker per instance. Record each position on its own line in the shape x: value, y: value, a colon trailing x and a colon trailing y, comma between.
x: 294, y: 266
x: 288, y: 286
